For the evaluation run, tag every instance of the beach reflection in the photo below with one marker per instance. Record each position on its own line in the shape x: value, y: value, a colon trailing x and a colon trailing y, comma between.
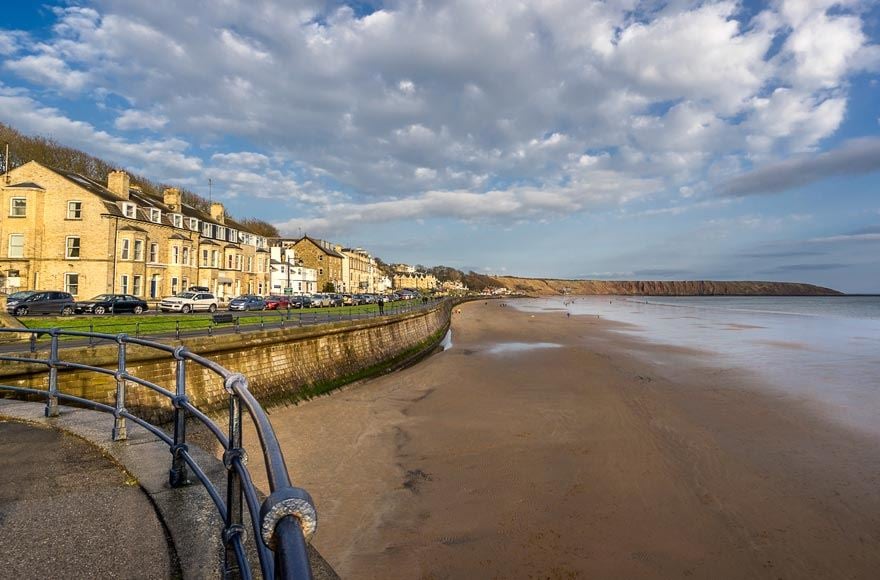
x: 824, y: 350
x: 518, y: 347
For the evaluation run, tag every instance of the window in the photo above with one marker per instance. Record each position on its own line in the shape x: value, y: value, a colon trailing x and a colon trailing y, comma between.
x: 18, y: 207
x: 175, y: 254
x: 154, y: 253
x: 177, y: 220
x: 154, y: 286
x: 129, y: 210
x: 204, y: 258
x: 136, y: 285
x: 229, y: 258
x: 74, y: 210
x: 250, y: 263
x: 238, y: 261
x: 186, y: 256
x: 72, y: 248
x: 194, y: 224
x: 16, y: 245
x: 214, y: 259
x: 125, y: 283
x: 174, y: 285
x: 71, y: 283
x: 186, y: 282
x: 221, y: 233
x: 206, y: 230
x: 138, y: 250
x: 155, y: 215
x: 126, y: 248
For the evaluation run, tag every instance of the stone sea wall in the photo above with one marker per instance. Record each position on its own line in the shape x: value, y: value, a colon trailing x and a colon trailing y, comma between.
x: 281, y: 365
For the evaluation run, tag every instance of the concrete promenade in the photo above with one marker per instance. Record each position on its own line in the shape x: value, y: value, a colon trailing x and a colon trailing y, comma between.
x: 66, y: 509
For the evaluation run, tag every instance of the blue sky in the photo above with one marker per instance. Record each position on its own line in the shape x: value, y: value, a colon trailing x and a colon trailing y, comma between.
x: 564, y: 138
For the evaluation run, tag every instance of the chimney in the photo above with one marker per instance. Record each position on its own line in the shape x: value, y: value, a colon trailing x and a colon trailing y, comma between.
x: 118, y: 183
x: 173, y: 199
x: 218, y: 212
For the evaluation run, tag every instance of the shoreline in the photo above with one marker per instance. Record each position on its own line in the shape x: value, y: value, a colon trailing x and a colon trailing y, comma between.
x: 585, y: 460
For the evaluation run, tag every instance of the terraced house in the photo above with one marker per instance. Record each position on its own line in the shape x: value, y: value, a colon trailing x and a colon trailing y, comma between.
x: 63, y: 231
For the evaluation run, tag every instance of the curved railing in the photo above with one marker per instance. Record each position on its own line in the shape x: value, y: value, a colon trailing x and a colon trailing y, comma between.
x: 281, y: 524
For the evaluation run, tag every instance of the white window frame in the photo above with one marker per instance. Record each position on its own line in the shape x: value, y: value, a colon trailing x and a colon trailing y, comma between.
x: 155, y: 215
x: 206, y: 229
x: 184, y: 256
x: 205, y: 261
x: 68, y: 247
x: 71, y: 288
x: 215, y: 258
x: 174, y: 285
x: 13, y: 209
x: 175, y: 254
x: 137, y: 285
x: 129, y: 210
x: 177, y: 220
x: 138, y: 251
x: 124, y: 284
x: 20, y: 253
x: 125, y: 253
x: 153, y: 256
x: 221, y: 233
x: 194, y: 224
x: 74, y: 214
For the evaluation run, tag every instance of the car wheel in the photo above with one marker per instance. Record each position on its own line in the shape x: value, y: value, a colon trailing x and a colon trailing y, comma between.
x: 186, y: 309
x: 21, y: 311
x: 99, y: 310
x: 67, y: 311
x: 138, y: 309
x: 212, y: 308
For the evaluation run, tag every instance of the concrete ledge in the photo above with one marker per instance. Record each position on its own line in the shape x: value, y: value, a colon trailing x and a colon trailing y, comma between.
x: 188, y: 513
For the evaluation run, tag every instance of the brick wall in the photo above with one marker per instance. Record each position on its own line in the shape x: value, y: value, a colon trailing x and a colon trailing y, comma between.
x: 281, y: 365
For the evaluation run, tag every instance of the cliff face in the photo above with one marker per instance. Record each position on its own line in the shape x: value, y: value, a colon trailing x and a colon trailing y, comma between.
x: 542, y: 286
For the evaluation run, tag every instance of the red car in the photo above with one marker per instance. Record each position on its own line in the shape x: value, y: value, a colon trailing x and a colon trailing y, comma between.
x: 277, y: 303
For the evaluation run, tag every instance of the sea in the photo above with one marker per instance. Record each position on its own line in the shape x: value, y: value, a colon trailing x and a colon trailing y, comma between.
x: 822, y: 350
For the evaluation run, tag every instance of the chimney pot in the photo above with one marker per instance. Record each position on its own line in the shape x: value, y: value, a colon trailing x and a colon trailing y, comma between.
x: 173, y: 199
x: 218, y: 212
x: 119, y: 183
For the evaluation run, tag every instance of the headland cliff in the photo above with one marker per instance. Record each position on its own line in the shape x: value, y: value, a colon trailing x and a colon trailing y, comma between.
x: 546, y: 286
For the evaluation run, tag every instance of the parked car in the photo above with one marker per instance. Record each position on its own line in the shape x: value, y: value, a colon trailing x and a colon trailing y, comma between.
x: 188, y: 302
x: 336, y: 300
x: 278, y: 303
x: 115, y: 303
x: 199, y: 289
x: 247, y: 302
x: 300, y: 302
x: 320, y: 300
x: 40, y: 302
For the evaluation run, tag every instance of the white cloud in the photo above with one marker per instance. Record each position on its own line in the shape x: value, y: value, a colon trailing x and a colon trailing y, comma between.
x: 134, y: 119
x: 456, y: 108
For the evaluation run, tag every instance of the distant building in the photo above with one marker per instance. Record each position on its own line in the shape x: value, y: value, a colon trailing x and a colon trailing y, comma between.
x: 321, y: 256
x: 359, y: 271
x: 407, y: 277
x: 288, y: 275
x: 63, y: 231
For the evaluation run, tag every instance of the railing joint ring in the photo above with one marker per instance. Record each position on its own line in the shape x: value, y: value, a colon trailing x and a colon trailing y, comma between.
x: 179, y: 448
x: 179, y: 401
x: 179, y: 352
x: 230, y: 455
x: 232, y: 531
x: 290, y: 501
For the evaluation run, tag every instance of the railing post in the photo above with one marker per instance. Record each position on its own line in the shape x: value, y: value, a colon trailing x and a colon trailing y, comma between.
x: 52, y: 402
x: 177, y: 329
x: 91, y: 330
x: 119, y: 432
x: 177, y: 477
x: 234, y: 496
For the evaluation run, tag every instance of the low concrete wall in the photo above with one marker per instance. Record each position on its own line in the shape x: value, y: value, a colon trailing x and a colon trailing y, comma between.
x: 281, y: 365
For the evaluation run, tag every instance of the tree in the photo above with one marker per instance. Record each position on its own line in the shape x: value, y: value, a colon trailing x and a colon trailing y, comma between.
x: 329, y: 287
x: 261, y: 227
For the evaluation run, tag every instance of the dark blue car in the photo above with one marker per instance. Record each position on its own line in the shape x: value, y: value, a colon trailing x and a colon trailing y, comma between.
x: 247, y: 302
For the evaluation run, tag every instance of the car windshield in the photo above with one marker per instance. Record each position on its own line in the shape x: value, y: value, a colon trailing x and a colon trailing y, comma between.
x: 21, y: 295
x: 102, y: 297
x: 186, y: 295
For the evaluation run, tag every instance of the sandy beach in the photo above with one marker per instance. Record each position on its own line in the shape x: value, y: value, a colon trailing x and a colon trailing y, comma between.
x: 591, y: 455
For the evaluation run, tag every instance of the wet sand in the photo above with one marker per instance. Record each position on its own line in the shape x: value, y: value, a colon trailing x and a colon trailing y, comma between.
x: 604, y: 457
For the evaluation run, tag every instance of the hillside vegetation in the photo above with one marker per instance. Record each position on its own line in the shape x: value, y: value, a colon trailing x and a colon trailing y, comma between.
x: 545, y: 287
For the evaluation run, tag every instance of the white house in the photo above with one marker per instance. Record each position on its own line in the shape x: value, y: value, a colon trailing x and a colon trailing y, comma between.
x: 288, y: 276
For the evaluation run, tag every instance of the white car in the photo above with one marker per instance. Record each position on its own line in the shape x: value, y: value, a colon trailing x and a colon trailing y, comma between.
x: 188, y: 302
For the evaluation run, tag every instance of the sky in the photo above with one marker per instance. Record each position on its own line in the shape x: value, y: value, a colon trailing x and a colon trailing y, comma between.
x: 554, y: 138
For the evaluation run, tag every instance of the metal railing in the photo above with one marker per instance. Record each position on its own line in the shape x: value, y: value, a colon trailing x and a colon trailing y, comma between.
x: 281, y: 524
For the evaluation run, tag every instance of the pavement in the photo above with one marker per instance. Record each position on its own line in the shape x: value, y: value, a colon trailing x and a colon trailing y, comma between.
x: 66, y: 509
x: 56, y: 511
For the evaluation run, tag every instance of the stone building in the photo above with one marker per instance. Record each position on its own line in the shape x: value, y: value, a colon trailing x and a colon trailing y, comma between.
x: 319, y: 255
x: 407, y: 277
x: 288, y: 273
x: 63, y: 231
x: 359, y: 271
